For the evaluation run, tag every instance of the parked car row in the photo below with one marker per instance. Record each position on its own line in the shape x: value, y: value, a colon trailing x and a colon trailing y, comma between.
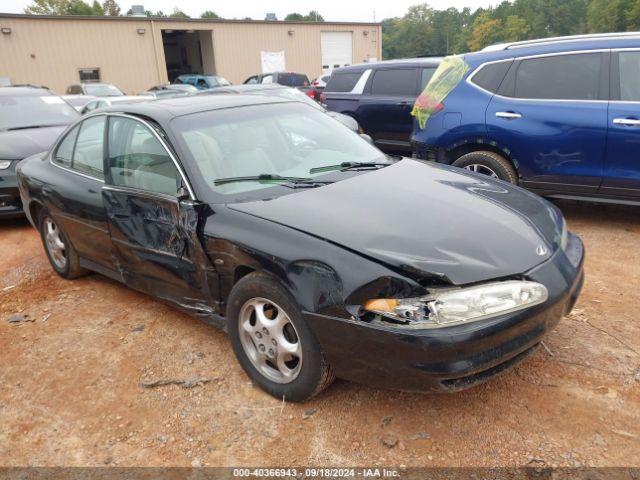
x: 559, y: 116
x: 257, y: 210
x: 309, y: 246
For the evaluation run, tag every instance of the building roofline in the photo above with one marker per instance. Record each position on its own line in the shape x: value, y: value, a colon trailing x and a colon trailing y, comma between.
x: 174, y: 19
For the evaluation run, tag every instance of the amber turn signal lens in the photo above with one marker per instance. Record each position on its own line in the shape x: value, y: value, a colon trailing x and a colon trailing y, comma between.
x: 381, y: 305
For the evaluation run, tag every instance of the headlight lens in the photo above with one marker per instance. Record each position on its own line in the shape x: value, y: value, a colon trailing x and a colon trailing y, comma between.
x: 462, y: 305
x: 4, y: 164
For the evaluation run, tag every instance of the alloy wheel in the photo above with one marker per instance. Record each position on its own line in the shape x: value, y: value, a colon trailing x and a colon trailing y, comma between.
x: 270, y: 340
x: 55, y: 245
x: 481, y: 169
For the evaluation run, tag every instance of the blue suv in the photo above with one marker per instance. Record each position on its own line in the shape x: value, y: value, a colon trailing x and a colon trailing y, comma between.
x: 559, y: 116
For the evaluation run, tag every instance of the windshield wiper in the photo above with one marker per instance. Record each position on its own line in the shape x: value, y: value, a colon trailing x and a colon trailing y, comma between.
x: 267, y: 177
x: 345, y: 166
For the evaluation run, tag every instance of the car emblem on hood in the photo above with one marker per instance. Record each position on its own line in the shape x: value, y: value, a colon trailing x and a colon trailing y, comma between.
x: 542, y: 250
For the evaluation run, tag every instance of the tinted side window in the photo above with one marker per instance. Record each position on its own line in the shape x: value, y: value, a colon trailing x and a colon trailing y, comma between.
x: 293, y: 79
x: 629, y: 68
x: 562, y: 77
x: 64, y: 153
x: 425, y: 76
x: 88, y: 154
x: 342, y: 82
x: 401, y: 81
x: 490, y: 76
x: 138, y: 160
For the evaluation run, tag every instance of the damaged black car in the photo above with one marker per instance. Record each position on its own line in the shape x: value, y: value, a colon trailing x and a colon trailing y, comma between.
x: 318, y: 254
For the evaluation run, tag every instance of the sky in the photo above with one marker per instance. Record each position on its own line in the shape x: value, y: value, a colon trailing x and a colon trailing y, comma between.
x: 331, y: 10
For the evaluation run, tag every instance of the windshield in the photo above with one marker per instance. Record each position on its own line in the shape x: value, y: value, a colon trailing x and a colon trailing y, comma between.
x: 103, y: 91
x: 23, y: 111
x: 283, y: 139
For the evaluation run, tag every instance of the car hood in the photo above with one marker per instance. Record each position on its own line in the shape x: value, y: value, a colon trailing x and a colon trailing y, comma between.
x: 19, y: 144
x: 427, y: 220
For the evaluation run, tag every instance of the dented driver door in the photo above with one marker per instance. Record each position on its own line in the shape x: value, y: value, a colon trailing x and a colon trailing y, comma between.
x: 154, y: 233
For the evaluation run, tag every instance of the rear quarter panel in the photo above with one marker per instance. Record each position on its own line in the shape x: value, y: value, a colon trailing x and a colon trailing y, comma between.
x: 462, y: 120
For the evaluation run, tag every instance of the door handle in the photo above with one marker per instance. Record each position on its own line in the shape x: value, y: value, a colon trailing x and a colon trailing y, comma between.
x: 508, y: 115
x: 629, y: 122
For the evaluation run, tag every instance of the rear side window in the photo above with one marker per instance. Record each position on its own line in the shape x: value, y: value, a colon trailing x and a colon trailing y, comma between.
x: 88, y: 154
x: 629, y: 68
x: 425, y: 76
x: 64, y: 153
x: 293, y: 79
x: 491, y: 75
x: 82, y: 148
x: 562, y: 77
x: 400, y: 81
x: 342, y: 82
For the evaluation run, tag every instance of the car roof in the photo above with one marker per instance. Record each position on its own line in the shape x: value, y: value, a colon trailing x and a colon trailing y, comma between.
x: 251, y: 87
x: 168, y: 108
x: 554, y: 45
x: 418, y: 62
x: 14, y: 90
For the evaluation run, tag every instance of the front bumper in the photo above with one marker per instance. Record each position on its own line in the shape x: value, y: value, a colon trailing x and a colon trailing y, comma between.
x: 10, y: 203
x: 457, y: 357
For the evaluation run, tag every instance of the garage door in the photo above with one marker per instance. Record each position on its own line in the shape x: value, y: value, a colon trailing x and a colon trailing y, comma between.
x: 336, y: 50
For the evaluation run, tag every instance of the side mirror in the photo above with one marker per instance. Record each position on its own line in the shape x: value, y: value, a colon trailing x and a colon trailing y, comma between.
x: 367, y: 138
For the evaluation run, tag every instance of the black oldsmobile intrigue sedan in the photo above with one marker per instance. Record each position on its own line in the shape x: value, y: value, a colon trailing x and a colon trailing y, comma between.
x: 319, y: 255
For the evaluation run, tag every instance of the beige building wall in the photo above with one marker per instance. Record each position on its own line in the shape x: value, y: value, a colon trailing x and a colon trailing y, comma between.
x: 50, y: 51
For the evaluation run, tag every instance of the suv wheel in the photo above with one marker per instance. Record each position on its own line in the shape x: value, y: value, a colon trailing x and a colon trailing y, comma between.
x: 488, y: 163
x: 272, y: 341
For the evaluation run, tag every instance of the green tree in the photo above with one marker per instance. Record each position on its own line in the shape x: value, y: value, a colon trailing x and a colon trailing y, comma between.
x: 177, y: 13
x: 294, y: 17
x: 314, y: 16
x: 111, y: 8
x: 210, y: 14
x: 633, y: 16
x: 46, y: 7
x: 514, y: 29
x: 485, y: 31
x: 64, y: 7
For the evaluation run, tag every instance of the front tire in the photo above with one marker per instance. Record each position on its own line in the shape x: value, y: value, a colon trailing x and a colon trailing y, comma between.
x: 62, y: 256
x: 272, y: 342
x: 488, y: 163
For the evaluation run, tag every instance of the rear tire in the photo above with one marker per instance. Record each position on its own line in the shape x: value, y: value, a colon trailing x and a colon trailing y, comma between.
x: 488, y: 163
x: 273, y: 343
x: 61, y: 254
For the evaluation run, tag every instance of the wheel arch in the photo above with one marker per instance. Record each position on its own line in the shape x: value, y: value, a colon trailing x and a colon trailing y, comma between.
x: 456, y: 151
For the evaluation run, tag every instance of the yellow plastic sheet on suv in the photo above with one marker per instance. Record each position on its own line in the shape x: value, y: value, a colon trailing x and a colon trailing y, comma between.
x: 444, y: 80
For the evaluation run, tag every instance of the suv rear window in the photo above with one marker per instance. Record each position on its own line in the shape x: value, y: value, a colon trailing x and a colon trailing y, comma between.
x: 399, y: 81
x: 561, y: 77
x: 342, y: 82
x: 293, y: 79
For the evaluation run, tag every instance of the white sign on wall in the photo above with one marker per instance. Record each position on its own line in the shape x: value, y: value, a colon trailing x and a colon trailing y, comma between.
x: 272, y: 61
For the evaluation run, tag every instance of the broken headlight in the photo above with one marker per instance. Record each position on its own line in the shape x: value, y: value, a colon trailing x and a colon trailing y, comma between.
x: 443, y: 308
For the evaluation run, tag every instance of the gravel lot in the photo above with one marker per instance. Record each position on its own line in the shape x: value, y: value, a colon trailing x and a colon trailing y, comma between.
x: 72, y: 375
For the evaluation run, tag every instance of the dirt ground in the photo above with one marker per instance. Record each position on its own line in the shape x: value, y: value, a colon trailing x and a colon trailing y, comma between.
x: 71, y: 394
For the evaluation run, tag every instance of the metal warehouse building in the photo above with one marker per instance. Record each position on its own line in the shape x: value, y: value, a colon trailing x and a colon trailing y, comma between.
x: 136, y: 53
